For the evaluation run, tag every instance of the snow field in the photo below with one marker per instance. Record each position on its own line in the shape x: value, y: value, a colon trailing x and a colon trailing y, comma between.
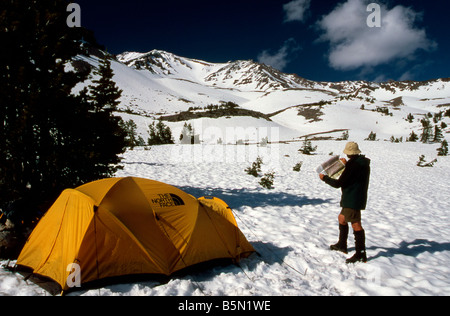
x: 292, y: 226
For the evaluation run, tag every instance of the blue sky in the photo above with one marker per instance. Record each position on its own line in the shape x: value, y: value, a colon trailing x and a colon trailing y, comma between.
x: 317, y: 39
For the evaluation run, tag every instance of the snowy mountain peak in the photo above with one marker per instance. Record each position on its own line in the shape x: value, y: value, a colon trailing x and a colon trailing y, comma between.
x: 161, y: 84
x: 246, y: 75
x: 156, y: 61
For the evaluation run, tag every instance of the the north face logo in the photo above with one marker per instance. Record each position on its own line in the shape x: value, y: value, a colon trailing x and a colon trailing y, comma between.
x: 176, y: 199
x: 168, y: 200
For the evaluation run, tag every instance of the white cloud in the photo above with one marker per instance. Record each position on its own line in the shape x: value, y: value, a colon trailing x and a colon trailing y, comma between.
x: 282, y: 57
x: 354, y: 45
x: 296, y: 10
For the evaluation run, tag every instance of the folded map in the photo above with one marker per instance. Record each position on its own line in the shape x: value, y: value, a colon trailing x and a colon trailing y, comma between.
x: 333, y: 168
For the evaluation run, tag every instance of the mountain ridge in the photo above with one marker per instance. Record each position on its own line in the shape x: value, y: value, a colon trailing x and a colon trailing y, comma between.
x: 161, y: 84
x: 160, y: 58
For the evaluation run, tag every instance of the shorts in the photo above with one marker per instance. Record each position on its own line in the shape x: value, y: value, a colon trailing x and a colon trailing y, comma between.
x: 351, y: 215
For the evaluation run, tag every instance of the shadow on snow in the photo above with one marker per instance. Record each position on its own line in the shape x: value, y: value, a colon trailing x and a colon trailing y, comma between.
x: 411, y: 249
x: 237, y: 198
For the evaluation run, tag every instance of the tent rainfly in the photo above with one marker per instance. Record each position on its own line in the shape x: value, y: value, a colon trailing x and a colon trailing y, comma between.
x: 129, y: 226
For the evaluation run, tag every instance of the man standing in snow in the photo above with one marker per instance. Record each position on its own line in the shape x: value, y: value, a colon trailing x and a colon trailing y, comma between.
x: 354, y: 183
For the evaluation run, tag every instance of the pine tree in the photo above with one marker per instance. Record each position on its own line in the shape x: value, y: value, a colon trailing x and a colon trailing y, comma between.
x: 255, y: 169
x: 447, y: 113
x: 443, y: 150
x: 438, y: 136
x: 35, y: 95
x: 298, y: 166
x: 427, y: 129
x: 345, y: 136
x: 413, y: 137
x: 267, y: 180
x: 132, y: 138
x: 372, y: 136
x: 307, y: 148
x: 107, y: 136
x: 105, y: 93
x: 159, y: 134
x: 50, y: 139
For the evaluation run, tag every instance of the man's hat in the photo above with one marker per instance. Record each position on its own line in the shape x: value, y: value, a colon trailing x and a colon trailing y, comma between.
x: 352, y: 149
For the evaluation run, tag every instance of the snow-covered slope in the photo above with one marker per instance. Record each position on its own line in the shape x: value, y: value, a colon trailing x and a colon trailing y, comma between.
x: 292, y: 226
x: 159, y: 83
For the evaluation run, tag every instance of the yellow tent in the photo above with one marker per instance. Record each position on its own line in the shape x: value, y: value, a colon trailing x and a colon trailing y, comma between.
x: 128, y: 226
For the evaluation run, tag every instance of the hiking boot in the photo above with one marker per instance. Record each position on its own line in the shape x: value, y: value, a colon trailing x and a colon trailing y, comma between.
x: 357, y: 257
x: 339, y: 247
x: 360, y: 246
x: 342, y: 243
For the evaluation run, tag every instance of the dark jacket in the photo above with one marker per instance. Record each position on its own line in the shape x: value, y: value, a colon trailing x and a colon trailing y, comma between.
x: 354, y: 182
